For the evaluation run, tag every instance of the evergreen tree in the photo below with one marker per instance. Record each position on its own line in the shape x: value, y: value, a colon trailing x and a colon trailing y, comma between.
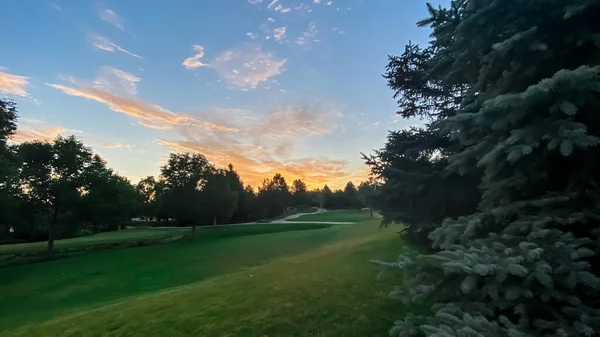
x: 299, y: 193
x: 350, y: 196
x: 526, y: 262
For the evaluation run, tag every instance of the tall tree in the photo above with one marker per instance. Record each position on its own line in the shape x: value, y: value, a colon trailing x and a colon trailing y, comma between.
x: 108, y: 198
x: 350, y: 196
x: 525, y: 263
x: 328, y: 198
x: 416, y: 188
x: 53, y: 174
x: 219, y: 200
x: 147, y: 191
x: 274, y: 195
x: 368, y: 191
x: 299, y: 193
x: 8, y: 163
x: 182, y: 179
x: 240, y: 213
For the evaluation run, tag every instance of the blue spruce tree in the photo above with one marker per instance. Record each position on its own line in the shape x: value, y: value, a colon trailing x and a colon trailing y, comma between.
x: 525, y: 263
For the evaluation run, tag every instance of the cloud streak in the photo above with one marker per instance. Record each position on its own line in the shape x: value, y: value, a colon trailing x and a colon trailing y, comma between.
x: 244, y: 68
x: 115, y: 87
x: 110, y: 16
x: 103, y: 43
x: 29, y: 130
x: 13, y: 84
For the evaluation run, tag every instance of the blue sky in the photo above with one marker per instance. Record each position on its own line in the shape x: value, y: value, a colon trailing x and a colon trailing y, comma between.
x: 271, y: 86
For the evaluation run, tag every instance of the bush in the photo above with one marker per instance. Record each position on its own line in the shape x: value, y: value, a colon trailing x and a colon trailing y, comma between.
x: 85, y: 232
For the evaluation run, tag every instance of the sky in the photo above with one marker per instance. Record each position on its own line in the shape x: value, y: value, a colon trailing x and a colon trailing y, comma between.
x: 272, y: 86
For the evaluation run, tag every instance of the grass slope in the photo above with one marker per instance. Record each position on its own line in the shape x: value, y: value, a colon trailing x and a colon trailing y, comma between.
x: 103, y: 238
x: 315, y: 283
x: 338, y: 216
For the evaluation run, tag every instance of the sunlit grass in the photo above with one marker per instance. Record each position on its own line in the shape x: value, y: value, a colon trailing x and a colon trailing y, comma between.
x: 299, y: 283
x: 339, y: 216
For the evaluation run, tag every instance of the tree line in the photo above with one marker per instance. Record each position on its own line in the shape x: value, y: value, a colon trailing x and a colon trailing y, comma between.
x: 59, y: 189
x: 499, y: 189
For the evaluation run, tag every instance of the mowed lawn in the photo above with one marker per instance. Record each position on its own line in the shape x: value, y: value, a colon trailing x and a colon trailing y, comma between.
x: 339, y: 216
x: 120, y: 236
x: 314, y: 281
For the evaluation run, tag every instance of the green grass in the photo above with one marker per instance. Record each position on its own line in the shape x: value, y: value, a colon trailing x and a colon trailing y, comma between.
x: 312, y: 282
x: 338, y: 216
x: 296, y: 211
x: 128, y: 235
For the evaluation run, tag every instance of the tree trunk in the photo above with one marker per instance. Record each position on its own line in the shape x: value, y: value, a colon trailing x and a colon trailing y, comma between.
x: 194, y: 232
x: 51, y: 227
x: 95, y: 228
x: 371, y: 209
x: 215, y: 220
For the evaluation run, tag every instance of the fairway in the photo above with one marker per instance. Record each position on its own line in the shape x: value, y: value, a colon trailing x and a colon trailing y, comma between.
x: 238, y: 281
x: 338, y: 216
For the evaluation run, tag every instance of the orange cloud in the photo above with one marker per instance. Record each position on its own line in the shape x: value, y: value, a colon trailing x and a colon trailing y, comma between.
x: 112, y: 145
x: 150, y: 115
x: 33, y: 130
x: 13, y: 84
x: 254, y: 164
x: 259, y: 144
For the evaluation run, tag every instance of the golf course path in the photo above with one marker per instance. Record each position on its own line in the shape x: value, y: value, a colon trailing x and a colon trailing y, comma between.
x: 287, y: 220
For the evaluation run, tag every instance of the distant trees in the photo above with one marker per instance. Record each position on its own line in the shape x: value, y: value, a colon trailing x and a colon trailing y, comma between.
x: 55, y: 189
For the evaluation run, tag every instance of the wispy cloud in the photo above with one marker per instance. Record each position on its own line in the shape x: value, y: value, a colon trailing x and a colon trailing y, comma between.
x: 309, y: 35
x: 338, y: 30
x: 114, y: 87
x: 276, y: 6
x: 195, y: 61
x: 251, y: 35
x: 243, y: 68
x: 13, y: 84
x: 111, y: 17
x: 117, y: 81
x: 114, y: 145
x: 279, y: 33
x: 57, y: 7
x: 105, y: 44
x: 30, y: 130
x: 254, y: 2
